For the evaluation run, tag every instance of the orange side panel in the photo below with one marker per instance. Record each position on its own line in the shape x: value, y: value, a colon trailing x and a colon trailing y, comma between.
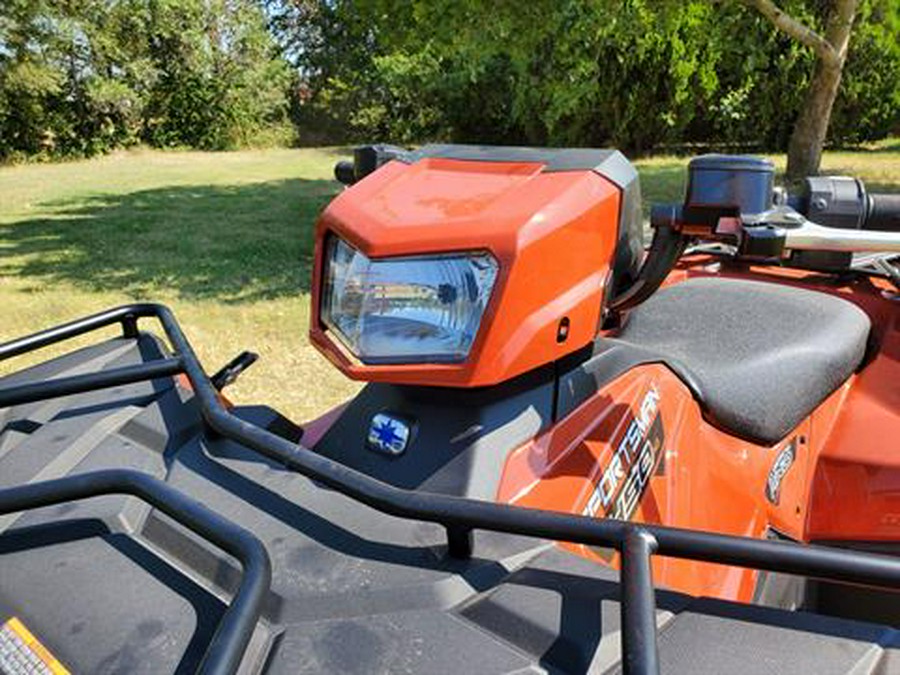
x: 856, y: 482
x: 852, y: 483
x: 697, y: 476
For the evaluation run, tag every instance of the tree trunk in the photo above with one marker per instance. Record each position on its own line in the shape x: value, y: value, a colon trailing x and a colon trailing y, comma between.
x: 811, y: 128
x: 808, y: 136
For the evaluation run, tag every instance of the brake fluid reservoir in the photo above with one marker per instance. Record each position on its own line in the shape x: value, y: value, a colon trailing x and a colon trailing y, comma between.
x: 739, y: 181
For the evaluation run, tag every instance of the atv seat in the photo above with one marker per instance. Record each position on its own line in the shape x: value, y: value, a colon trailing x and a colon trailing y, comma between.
x: 758, y: 356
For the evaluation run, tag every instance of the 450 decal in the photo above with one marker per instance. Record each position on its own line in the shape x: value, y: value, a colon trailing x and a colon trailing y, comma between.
x: 637, y: 456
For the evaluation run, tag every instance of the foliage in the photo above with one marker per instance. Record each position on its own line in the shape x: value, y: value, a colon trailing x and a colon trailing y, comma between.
x: 82, y: 77
x: 86, y: 76
x: 637, y: 74
x: 869, y: 104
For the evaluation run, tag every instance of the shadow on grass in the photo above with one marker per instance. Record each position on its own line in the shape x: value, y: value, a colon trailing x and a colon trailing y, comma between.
x: 237, y: 243
x: 232, y: 243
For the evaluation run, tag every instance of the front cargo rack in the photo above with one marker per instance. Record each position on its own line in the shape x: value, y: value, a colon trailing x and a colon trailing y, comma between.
x: 636, y: 542
x: 226, y: 649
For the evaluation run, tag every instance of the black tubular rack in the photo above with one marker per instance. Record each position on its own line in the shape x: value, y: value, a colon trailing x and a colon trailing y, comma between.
x: 636, y: 542
x: 226, y: 649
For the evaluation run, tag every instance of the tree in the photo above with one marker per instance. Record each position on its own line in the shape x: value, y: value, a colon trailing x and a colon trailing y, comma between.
x: 82, y: 77
x: 811, y: 128
x: 218, y: 82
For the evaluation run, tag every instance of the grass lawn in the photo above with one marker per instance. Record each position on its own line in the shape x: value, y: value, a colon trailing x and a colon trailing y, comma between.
x: 222, y: 238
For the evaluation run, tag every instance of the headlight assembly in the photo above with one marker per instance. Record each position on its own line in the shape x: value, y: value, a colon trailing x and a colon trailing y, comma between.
x: 406, y: 310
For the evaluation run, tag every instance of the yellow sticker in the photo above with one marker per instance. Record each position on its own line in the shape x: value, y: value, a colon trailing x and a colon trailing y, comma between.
x: 21, y: 652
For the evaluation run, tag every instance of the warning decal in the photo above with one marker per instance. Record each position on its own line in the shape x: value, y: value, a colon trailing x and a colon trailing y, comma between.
x: 21, y: 653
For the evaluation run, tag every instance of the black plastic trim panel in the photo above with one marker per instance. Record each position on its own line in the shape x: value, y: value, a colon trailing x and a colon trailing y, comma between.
x: 554, y: 159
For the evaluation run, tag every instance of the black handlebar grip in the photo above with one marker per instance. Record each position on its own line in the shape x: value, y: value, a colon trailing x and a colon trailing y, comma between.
x: 883, y: 213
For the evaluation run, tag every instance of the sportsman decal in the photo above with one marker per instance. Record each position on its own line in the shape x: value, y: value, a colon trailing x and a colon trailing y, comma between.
x: 637, y: 456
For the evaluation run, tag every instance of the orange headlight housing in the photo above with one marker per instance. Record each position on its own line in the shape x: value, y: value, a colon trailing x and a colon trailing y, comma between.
x: 555, y: 222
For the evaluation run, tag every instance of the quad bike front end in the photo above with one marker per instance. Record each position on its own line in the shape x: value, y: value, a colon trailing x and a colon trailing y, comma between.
x: 568, y: 457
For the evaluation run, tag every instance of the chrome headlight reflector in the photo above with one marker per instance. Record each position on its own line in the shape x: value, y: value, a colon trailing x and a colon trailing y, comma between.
x: 422, y: 309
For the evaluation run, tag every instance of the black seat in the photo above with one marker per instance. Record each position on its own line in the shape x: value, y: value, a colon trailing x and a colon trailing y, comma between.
x: 759, y: 356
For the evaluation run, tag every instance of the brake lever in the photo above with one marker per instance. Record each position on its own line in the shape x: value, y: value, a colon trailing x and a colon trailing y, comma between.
x: 771, y: 233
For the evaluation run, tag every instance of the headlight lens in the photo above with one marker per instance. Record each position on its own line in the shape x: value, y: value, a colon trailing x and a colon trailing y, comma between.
x: 406, y: 310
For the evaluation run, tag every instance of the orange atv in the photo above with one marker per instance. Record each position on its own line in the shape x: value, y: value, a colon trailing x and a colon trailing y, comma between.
x: 555, y: 421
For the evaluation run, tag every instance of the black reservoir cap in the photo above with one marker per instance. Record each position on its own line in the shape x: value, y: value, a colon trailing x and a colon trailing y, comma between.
x: 723, y: 181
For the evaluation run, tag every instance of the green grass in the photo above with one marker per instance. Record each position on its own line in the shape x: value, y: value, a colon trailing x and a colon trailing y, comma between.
x: 224, y: 239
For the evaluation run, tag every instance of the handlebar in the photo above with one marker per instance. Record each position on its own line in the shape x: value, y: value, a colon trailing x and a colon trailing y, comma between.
x: 732, y: 200
x: 883, y: 213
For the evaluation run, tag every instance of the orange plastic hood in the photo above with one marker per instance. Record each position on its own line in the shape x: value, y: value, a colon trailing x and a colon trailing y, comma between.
x: 550, y: 218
